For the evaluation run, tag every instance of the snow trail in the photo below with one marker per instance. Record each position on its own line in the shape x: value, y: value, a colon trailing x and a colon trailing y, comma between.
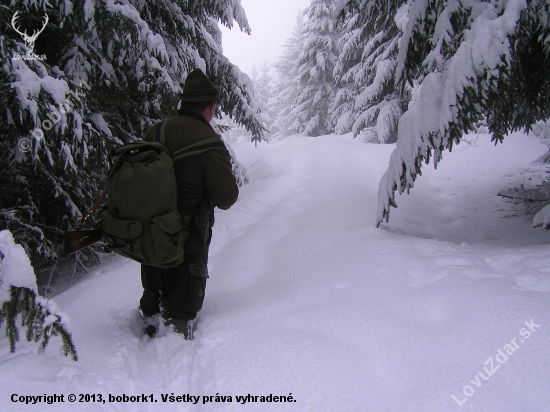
x: 307, y: 298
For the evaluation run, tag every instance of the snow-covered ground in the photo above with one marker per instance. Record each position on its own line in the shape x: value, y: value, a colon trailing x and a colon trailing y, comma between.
x: 448, y: 304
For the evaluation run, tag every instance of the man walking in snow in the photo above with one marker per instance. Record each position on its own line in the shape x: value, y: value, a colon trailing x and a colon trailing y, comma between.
x: 204, y: 181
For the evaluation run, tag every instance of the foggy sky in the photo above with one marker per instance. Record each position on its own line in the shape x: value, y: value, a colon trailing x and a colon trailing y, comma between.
x: 271, y: 23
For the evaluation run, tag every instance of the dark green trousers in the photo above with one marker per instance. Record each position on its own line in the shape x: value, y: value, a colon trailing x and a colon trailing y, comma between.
x: 178, y: 292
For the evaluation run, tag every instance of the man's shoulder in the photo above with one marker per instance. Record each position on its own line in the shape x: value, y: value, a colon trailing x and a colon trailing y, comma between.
x: 182, y: 131
x: 193, y: 123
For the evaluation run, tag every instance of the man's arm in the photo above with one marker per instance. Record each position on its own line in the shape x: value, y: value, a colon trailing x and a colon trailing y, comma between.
x: 219, y: 179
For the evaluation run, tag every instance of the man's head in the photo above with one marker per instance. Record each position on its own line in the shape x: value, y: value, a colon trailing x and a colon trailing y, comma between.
x: 199, y: 94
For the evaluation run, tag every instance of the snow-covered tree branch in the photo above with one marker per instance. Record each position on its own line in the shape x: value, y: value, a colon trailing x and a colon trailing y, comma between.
x: 466, y: 60
x: 19, y: 296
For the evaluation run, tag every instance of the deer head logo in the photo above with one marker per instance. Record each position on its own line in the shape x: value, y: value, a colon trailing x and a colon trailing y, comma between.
x: 29, y: 40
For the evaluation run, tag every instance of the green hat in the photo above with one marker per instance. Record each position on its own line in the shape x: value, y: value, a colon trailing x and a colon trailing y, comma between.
x: 198, y: 88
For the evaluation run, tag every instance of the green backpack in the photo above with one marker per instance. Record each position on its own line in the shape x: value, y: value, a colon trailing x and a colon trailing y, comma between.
x: 142, y: 221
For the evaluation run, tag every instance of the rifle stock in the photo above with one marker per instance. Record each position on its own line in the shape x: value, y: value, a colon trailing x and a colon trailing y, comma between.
x: 76, y: 240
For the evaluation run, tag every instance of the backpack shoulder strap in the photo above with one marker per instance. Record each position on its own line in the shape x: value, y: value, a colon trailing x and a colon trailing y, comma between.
x: 160, y: 132
x: 159, y: 135
x: 199, y: 147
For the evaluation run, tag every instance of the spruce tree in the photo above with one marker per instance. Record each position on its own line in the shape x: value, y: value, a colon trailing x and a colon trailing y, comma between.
x: 52, y: 152
x: 263, y: 83
x: 287, y: 84
x: 365, y: 70
x: 466, y: 61
x: 316, y: 63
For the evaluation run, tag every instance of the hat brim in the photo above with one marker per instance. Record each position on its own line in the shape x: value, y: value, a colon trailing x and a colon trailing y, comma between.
x: 200, y: 97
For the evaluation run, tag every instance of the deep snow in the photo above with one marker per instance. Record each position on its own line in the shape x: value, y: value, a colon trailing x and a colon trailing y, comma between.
x: 306, y: 297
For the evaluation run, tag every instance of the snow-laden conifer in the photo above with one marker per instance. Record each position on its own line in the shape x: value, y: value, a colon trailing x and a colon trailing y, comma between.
x: 288, y: 83
x: 466, y: 60
x: 263, y: 83
x: 365, y: 71
x: 52, y: 153
x: 316, y: 64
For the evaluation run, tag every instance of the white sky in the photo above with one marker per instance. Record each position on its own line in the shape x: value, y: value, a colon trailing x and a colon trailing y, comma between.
x: 271, y: 22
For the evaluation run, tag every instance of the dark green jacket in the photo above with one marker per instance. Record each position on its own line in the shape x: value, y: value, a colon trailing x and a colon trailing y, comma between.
x: 208, y: 174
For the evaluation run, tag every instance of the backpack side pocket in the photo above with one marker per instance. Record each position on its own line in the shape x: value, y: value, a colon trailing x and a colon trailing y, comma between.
x: 123, y: 236
x: 168, y: 239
